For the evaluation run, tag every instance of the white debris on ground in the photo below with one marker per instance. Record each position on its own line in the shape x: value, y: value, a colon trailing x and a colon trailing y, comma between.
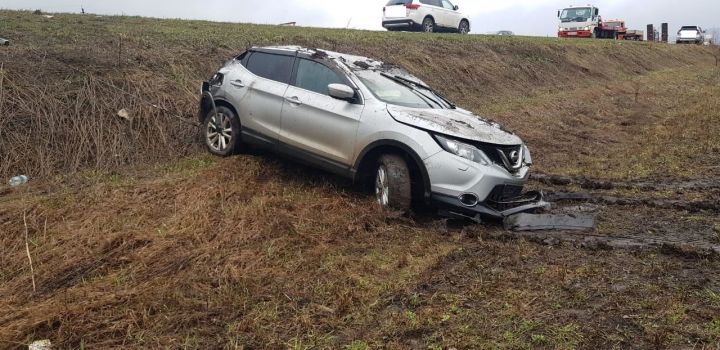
x: 40, y: 345
x: 123, y: 113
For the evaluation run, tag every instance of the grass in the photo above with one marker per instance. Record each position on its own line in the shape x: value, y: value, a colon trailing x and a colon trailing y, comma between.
x: 163, y: 246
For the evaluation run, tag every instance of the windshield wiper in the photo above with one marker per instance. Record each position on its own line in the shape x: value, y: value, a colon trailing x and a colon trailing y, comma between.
x: 408, y: 84
x: 423, y: 86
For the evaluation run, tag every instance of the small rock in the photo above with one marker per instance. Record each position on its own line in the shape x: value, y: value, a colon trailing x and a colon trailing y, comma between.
x: 619, y: 288
x: 123, y: 113
x: 40, y: 345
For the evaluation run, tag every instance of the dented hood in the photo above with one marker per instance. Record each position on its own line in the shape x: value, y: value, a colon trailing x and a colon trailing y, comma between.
x: 454, y: 122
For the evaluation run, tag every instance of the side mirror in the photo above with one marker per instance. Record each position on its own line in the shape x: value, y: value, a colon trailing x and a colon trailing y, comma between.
x: 457, y: 7
x: 341, y: 91
x: 558, y: 13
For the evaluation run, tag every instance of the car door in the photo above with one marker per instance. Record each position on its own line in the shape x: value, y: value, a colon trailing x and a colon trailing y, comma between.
x: 451, y: 18
x: 434, y: 9
x: 319, y: 127
x: 261, y: 108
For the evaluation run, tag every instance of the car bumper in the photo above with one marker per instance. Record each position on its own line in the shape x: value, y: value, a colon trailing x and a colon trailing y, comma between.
x: 400, y: 23
x: 575, y: 34
x: 688, y: 40
x: 492, y: 190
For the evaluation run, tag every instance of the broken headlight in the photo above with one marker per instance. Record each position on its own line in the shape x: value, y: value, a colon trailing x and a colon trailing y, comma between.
x: 526, y: 155
x: 217, y: 79
x: 463, y: 150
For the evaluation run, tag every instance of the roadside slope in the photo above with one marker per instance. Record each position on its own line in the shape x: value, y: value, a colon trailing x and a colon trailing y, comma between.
x: 68, y: 87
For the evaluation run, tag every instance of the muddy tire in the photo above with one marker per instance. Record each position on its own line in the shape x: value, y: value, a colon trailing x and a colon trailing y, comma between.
x: 428, y: 25
x: 464, y: 27
x: 393, y: 188
x: 221, y: 132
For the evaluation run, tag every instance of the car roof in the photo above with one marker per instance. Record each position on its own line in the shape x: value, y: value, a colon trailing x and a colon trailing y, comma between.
x: 292, y: 49
x: 351, y: 63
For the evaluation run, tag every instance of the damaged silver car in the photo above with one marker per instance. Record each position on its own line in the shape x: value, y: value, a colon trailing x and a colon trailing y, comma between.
x: 369, y: 121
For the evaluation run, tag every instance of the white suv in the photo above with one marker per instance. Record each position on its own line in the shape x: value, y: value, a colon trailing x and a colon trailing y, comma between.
x: 691, y: 35
x: 426, y: 15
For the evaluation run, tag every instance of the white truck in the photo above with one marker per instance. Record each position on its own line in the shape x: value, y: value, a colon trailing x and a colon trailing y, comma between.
x: 586, y: 22
x: 579, y: 22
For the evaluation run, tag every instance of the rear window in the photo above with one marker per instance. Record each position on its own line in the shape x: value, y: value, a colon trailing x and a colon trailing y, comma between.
x: 399, y: 2
x: 437, y: 3
x: 270, y: 66
x: 689, y: 28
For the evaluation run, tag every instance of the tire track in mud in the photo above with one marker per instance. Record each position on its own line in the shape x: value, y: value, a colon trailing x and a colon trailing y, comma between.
x: 695, y: 249
x: 642, y: 185
x: 675, y: 204
x: 673, y: 242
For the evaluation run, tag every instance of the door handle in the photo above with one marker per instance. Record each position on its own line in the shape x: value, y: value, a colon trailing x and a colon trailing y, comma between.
x: 294, y: 100
x: 237, y: 83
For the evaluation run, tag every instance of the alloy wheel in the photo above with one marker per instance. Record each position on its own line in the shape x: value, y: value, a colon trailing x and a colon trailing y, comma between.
x: 382, y: 187
x: 428, y: 26
x: 219, y: 132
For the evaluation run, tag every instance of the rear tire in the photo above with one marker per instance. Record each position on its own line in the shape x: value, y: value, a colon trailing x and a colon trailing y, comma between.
x: 393, y: 188
x: 428, y: 25
x: 464, y: 27
x: 221, y: 132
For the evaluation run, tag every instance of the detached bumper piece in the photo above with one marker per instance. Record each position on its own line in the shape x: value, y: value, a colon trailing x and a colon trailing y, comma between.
x: 541, y: 222
x: 497, y: 208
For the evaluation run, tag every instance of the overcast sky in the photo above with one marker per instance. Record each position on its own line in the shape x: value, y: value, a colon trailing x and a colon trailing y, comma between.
x: 527, y: 17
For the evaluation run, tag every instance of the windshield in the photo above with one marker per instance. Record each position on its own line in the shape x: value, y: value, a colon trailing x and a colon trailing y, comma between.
x: 399, y: 2
x: 397, y: 92
x: 580, y: 14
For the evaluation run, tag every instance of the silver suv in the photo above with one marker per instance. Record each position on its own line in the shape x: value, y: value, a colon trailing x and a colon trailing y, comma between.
x: 371, y: 122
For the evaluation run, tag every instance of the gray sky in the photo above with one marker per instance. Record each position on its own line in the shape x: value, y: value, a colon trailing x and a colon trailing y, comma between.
x: 527, y: 17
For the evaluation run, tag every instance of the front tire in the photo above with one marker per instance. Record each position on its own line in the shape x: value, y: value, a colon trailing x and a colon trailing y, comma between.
x: 222, y: 132
x: 428, y: 25
x: 393, y: 188
x: 464, y: 27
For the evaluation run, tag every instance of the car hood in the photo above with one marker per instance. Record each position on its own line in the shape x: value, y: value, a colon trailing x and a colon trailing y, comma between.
x: 454, y: 122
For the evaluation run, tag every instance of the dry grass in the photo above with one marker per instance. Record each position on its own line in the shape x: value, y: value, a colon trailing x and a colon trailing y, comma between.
x: 253, y: 252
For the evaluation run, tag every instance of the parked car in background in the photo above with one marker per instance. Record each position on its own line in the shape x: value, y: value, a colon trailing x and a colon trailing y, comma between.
x: 505, y: 33
x: 424, y: 15
x: 371, y: 122
x: 690, y: 35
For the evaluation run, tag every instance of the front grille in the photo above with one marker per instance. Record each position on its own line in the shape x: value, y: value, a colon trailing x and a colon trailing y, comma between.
x: 505, y: 197
x: 496, y: 152
x: 504, y: 193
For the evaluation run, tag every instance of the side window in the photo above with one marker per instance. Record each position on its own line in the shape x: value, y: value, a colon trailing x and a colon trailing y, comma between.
x: 270, y: 66
x: 243, y: 58
x: 446, y: 4
x: 315, y: 77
